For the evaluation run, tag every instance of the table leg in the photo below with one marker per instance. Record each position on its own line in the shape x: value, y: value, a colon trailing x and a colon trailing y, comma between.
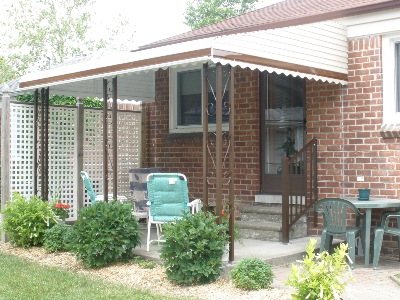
x: 367, y: 236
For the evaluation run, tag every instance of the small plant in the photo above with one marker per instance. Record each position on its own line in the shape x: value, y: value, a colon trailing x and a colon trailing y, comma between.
x: 193, y: 248
x: 58, y: 238
x: 145, y: 264
x: 320, y: 276
x: 61, y: 210
x: 25, y: 221
x: 252, y: 274
x: 104, y: 233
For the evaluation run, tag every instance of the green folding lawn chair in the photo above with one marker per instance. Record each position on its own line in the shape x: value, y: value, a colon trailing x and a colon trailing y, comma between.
x: 168, y: 201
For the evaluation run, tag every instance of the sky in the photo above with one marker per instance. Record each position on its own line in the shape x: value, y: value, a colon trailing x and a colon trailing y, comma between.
x: 152, y: 19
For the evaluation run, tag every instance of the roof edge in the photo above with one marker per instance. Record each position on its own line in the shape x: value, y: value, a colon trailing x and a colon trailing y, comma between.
x: 287, y: 23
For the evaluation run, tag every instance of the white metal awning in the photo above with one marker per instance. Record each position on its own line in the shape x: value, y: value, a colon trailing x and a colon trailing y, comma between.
x: 314, y: 51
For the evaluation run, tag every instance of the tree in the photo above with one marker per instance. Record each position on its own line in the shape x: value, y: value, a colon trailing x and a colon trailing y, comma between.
x: 200, y: 13
x: 42, y: 33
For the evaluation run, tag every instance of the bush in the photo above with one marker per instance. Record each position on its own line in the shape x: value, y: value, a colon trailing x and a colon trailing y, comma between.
x: 320, y: 275
x: 58, y: 238
x: 193, y: 248
x: 25, y: 221
x: 105, y: 232
x: 252, y: 274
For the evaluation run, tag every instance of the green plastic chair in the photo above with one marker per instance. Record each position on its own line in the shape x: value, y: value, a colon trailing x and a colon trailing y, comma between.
x: 168, y: 201
x: 334, y: 211
x: 89, y: 187
x: 380, y: 231
x: 92, y: 194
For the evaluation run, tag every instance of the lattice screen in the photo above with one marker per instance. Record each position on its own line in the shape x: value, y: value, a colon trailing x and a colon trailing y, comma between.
x: 21, y: 144
x: 129, y: 133
x: 62, y: 124
x: 93, y: 150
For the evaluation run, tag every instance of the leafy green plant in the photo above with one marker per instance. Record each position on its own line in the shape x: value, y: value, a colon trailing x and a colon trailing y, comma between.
x: 193, y: 248
x: 58, y: 238
x: 25, y: 221
x: 143, y: 263
x: 252, y: 274
x: 104, y: 233
x: 320, y: 276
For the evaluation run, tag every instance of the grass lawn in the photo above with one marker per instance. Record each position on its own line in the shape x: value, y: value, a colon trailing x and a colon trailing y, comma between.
x: 21, y: 279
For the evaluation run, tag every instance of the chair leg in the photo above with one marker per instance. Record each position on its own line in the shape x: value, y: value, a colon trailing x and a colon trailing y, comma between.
x: 148, y: 234
x: 326, y: 242
x: 351, y: 241
x: 322, y: 244
x: 398, y: 245
x: 377, y: 244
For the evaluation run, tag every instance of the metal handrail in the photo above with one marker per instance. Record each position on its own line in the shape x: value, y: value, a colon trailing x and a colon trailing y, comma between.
x: 298, y: 198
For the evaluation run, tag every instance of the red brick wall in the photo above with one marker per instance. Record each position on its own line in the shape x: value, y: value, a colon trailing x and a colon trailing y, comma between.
x: 347, y: 123
x: 186, y: 157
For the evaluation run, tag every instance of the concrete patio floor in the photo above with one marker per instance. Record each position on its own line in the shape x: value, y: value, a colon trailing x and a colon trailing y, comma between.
x: 377, y: 284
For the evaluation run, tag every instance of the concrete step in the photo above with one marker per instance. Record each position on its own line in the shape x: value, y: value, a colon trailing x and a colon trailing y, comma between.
x: 266, y: 231
x: 269, y: 231
x: 261, y: 213
x: 264, y: 222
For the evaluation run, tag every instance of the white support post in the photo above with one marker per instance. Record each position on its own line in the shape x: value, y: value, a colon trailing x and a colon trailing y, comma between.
x: 79, y: 137
x: 5, y: 151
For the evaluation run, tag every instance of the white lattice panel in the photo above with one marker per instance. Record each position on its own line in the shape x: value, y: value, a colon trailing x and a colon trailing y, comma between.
x: 21, y: 148
x: 62, y: 124
x: 129, y: 130
x: 129, y: 136
x: 93, y: 150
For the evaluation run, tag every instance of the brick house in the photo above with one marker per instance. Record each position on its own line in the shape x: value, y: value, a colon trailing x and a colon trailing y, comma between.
x: 303, y: 69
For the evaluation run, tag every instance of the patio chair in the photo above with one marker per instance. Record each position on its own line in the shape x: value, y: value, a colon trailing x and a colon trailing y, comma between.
x: 92, y: 194
x: 138, y: 190
x: 168, y: 201
x: 334, y: 211
x: 380, y: 231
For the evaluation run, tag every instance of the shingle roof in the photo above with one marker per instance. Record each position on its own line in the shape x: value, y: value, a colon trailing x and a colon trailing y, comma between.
x: 282, y: 14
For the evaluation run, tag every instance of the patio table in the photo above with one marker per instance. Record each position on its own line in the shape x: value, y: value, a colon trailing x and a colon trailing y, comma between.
x: 368, y: 205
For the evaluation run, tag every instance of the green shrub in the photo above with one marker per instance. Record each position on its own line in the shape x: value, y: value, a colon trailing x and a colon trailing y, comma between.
x: 25, y: 221
x: 58, y: 238
x: 252, y: 274
x: 193, y: 248
x: 104, y: 233
x: 63, y: 100
x: 320, y: 276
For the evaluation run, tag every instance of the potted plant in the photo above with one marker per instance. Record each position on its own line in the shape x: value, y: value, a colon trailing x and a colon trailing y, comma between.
x: 61, y: 210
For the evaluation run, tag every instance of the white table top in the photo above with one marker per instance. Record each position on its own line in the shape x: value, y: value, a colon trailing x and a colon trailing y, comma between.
x: 375, y: 202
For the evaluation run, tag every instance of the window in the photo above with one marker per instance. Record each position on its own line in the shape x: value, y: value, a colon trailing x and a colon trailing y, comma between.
x: 186, y: 99
x: 391, y: 78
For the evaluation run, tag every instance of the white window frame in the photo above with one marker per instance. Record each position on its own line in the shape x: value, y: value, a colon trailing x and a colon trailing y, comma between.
x: 173, y: 103
x: 390, y: 113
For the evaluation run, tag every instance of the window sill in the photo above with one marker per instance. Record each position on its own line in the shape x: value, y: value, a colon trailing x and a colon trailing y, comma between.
x: 389, y: 131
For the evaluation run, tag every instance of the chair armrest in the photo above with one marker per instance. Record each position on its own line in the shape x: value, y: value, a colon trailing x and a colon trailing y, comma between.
x: 195, y: 206
x: 388, y: 217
